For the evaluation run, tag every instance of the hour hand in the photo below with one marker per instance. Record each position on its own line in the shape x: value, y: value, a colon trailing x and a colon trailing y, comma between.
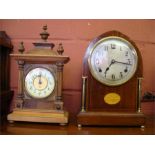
x: 106, y: 71
x: 112, y: 62
x: 39, y: 78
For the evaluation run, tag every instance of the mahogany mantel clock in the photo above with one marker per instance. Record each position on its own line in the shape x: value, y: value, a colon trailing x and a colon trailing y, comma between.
x: 112, y: 74
x: 39, y: 97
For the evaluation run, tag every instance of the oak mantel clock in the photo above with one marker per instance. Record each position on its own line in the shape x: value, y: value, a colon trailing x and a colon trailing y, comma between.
x: 39, y: 97
x: 112, y: 74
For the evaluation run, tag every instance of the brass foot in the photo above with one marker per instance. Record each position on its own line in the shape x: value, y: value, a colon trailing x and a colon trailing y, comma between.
x: 63, y: 124
x: 79, y: 125
x: 10, y: 121
x: 142, y: 126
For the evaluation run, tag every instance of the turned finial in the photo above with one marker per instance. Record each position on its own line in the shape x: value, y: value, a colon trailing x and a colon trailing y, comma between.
x: 21, y: 48
x: 44, y: 35
x: 60, y: 49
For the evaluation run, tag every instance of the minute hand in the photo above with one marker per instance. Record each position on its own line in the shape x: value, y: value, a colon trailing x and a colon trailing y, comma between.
x: 125, y: 63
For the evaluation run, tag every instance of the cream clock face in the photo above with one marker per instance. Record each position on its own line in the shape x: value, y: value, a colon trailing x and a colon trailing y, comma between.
x: 39, y: 83
x: 113, y: 61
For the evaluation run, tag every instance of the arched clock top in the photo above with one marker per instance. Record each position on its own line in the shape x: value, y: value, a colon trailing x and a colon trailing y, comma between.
x: 116, y: 35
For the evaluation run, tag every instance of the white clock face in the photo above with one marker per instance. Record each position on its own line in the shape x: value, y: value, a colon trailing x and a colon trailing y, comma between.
x: 39, y: 83
x: 113, y: 61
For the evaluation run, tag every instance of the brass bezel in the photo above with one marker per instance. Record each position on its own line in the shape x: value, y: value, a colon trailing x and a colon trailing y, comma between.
x: 107, y: 38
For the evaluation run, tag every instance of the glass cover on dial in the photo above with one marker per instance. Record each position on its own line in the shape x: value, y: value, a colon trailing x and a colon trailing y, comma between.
x: 39, y: 83
x: 113, y: 61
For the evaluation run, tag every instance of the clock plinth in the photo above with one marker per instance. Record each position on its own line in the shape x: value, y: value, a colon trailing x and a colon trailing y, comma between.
x: 39, y: 97
x: 111, y: 118
x: 112, y: 76
x: 39, y: 115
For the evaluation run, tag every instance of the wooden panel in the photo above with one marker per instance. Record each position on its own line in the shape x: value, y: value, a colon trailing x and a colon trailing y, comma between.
x: 97, y: 91
x: 6, y: 93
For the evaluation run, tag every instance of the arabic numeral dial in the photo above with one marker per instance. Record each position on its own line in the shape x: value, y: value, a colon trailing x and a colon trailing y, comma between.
x: 39, y: 83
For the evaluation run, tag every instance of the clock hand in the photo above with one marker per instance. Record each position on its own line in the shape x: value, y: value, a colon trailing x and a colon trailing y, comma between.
x: 40, y: 78
x: 112, y: 62
x: 123, y: 63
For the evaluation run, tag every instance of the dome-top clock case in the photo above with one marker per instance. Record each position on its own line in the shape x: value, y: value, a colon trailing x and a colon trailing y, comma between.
x: 112, y: 74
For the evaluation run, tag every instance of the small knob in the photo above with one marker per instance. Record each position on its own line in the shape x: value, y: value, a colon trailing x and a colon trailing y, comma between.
x: 21, y: 48
x: 58, y: 107
x: 60, y: 49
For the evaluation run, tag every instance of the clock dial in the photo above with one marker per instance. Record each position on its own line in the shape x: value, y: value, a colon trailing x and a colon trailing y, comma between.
x: 113, y: 61
x: 39, y: 83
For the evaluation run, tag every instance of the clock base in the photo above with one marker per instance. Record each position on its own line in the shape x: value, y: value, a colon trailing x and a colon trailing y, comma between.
x: 45, y: 116
x: 111, y: 119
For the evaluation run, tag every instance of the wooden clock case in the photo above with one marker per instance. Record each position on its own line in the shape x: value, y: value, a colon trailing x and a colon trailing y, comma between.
x: 51, y: 108
x: 94, y: 110
x: 6, y: 93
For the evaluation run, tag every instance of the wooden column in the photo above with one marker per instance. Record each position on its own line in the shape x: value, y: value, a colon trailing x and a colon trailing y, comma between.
x: 20, y: 95
x: 59, y: 85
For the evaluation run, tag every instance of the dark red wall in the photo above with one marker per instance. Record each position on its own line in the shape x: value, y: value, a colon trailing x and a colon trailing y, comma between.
x: 75, y: 36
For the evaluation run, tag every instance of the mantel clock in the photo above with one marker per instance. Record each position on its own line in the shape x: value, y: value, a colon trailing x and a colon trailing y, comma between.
x: 39, y: 97
x: 112, y: 74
